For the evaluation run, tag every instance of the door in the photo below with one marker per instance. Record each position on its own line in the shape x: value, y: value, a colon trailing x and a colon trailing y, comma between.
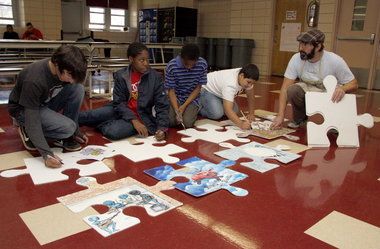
x: 72, y: 20
x: 289, y: 22
x: 357, y: 39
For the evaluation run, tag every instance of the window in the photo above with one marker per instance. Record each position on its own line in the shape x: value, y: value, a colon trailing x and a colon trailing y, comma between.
x: 97, y: 18
x: 117, y: 19
x: 358, y: 16
x: 106, y: 18
x: 6, y: 12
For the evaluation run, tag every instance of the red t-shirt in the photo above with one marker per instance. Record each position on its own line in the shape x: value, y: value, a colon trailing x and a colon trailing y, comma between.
x: 135, y: 81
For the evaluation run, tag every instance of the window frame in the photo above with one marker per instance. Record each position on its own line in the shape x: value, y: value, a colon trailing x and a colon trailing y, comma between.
x: 107, y: 20
x: 14, y: 18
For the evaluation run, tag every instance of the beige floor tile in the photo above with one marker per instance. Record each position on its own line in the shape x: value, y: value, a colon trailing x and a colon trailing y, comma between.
x: 55, y: 222
x: 343, y: 231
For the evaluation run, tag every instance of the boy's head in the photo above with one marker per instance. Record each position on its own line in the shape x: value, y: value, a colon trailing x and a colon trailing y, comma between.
x: 71, y: 63
x: 248, y: 75
x: 189, y: 55
x: 138, y: 56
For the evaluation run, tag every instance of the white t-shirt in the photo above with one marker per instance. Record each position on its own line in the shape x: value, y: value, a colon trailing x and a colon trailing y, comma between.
x: 329, y: 64
x: 223, y: 83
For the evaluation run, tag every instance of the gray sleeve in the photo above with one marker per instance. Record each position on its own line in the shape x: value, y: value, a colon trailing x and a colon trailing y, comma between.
x: 34, y: 130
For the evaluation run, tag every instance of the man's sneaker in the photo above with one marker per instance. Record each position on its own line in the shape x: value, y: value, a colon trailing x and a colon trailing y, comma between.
x: 25, y: 139
x: 68, y: 144
x: 296, y: 124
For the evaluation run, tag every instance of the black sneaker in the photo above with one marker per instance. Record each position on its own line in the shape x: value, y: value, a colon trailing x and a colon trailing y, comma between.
x: 25, y: 139
x: 68, y: 144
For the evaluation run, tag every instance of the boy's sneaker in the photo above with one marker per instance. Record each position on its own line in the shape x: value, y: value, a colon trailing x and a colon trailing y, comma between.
x: 296, y: 124
x: 68, y: 144
x: 25, y: 139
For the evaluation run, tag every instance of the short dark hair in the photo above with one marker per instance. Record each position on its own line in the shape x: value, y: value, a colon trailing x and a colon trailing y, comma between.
x: 136, y: 48
x: 250, y: 71
x: 29, y: 24
x: 9, y: 26
x: 190, y: 52
x: 72, y: 59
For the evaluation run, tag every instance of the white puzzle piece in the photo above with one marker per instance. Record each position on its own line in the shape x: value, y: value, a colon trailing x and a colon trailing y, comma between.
x: 145, y: 150
x: 258, y: 153
x: 118, y: 195
x: 41, y: 174
x: 341, y: 116
x: 212, y: 134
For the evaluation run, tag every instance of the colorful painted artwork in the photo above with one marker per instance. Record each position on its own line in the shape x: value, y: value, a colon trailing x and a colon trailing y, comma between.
x: 204, y: 177
x: 118, y: 195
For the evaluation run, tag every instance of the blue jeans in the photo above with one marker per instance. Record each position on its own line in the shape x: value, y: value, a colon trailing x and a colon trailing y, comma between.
x: 108, y: 122
x: 54, y: 124
x: 212, y: 105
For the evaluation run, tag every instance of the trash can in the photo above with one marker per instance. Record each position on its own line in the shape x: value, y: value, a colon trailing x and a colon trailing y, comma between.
x: 241, y: 51
x: 223, y: 53
x: 200, y: 41
x: 210, y: 53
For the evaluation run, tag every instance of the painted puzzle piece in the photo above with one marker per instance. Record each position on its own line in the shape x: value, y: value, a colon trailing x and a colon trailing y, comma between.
x: 41, y: 174
x: 258, y: 153
x: 341, y: 116
x: 204, y: 177
x: 118, y: 195
x: 144, y: 149
x: 212, y: 134
x: 333, y: 171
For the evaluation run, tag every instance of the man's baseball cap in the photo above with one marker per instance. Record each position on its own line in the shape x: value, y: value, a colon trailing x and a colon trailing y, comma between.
x: 312, y: 36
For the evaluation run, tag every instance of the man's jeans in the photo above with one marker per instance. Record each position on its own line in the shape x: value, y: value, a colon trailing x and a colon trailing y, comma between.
x: 107, y: 122
x: 54, y: 124
x: 212, y: 105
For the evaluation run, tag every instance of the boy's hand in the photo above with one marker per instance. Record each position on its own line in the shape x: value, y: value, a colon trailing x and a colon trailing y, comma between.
x: 245, y: 125
x: 53, y: 161
x: 140, y: 128
x: 277, y: 123
x: 160, y: 135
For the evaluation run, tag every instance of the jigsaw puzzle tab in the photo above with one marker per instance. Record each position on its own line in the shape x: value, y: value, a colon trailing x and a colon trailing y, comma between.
x: 204, y: 177
x: 145, y: 149
x: 41, y: 174
x: 258, y: 153
x: 212, y: 134
x: 117, y: 196
x: 341, y: 116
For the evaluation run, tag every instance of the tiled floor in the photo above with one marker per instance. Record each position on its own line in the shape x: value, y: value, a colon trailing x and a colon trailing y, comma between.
x: 282, y: 204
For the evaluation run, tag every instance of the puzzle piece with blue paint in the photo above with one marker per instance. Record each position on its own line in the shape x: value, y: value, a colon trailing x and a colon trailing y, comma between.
x: 341, y: 116
x: 145, y: 149
x: 258, y: 153
x: 117, y: 196
x: 41, y: 174
x: 204, y: 177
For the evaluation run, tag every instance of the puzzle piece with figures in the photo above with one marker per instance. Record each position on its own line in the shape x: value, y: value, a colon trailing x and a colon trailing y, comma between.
x: 145, y: 149
x: 258, y: 153
x: 204, y: 177
x: 41, y: 174
x: 117, y: 196
x: 346, y: 123
x: 213, y: 134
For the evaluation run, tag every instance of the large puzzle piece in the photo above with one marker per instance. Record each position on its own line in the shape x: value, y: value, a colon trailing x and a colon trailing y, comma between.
x: 258, y: 153
x: 41, y: 174
x: 341, y: 116
x: 333, y: 171
x: 144, y: 149
x: 118, y: 195
x: 204, y: 177
x: 212, y: 134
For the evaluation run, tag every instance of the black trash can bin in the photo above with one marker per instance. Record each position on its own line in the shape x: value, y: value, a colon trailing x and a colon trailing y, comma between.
x: 223, y: 53
x: 210, y: 53
x: 241, y: 52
